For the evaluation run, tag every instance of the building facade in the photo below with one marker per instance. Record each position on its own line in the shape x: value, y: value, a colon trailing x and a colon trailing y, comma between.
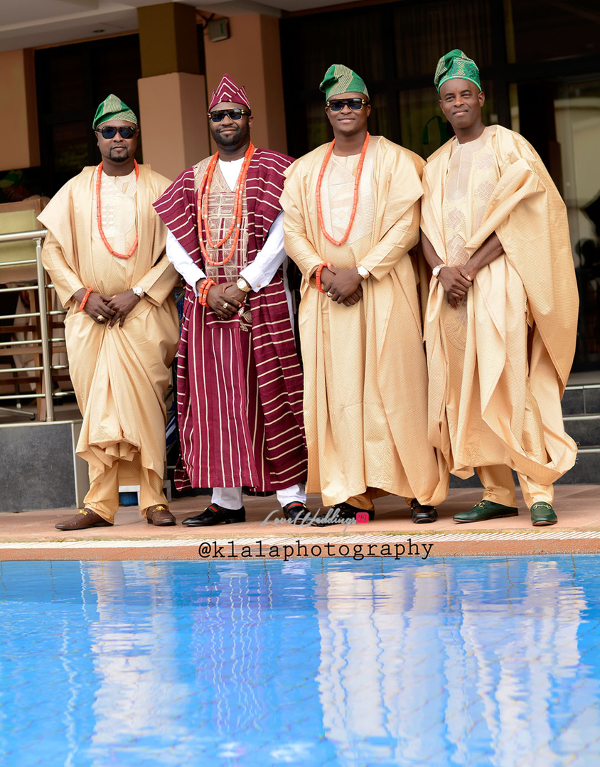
x: 539, y: 61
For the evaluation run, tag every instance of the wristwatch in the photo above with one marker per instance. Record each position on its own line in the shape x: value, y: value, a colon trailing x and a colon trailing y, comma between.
x: 243, y: 285
x: 437, y: 269
x: 364, y: 273
x: 138, y: 291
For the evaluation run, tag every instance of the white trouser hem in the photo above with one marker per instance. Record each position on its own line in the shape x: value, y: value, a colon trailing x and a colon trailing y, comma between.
x: 231, y: 497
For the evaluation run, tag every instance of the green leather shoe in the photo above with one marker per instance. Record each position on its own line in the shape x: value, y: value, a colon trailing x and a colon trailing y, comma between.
x: 542, y: 513
x: 485, y: 510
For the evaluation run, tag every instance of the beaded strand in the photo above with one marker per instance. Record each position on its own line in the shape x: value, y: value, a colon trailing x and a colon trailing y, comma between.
x: 236, y: 220
x: 99, y: 215
x: 84, y: 299
x: 318, y: 276
x: 205, y: 286
x: 356, y: 183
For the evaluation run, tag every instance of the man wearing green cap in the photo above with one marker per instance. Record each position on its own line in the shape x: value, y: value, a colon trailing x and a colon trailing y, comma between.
x: 105, y: 254
x: 502, y: 312
x: 351, y: 218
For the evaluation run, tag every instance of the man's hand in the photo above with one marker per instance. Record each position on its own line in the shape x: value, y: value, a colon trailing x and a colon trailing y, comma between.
x: 122, y: 304
x: 355, y: 297
x: 232, y: 291
x: 456, y: 282
x: 340, y: 284
x: 96, y: 306
x: 472, y: 268
x: 224, y: 306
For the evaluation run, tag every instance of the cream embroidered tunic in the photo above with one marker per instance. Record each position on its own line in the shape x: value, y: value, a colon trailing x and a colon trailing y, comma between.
x: 495, y: 386
x: 120, y: 375
x: 365, y: 378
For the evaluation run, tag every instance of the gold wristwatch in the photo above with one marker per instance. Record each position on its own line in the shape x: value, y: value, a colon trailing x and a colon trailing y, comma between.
x: 243, y: 285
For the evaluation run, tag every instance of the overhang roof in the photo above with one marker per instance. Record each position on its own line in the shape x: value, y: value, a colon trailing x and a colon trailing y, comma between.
x: 36, y: 23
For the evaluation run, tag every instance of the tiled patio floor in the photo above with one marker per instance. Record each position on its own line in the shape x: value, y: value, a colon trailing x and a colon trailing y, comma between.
x: 32, y: 535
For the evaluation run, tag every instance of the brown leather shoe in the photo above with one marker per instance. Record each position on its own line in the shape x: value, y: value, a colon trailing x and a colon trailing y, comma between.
x: 159, y: 516
x: 82, y: 520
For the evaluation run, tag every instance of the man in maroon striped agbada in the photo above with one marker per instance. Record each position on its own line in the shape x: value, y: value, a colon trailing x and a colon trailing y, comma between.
x: 239, y: 379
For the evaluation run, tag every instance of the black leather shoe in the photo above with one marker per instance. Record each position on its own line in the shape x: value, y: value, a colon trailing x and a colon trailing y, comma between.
x: 295, y: 510
x: 340, y: 514
x: 422, y: 514
x: 216, y: 515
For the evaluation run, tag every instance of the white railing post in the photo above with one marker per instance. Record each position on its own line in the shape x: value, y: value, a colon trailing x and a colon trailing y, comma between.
x: 37, y: 235
x: 46, y: 352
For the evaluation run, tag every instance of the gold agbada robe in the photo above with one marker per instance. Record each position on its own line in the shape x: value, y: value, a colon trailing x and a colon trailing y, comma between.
x: 499, y: 363
x: 120, y: 375
x: 365, y: 376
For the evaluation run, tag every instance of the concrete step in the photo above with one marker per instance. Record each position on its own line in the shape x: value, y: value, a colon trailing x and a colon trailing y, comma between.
x: 581, y: 411
x: 585, y: 429
x: 581, y: 400
x: 586, y: 470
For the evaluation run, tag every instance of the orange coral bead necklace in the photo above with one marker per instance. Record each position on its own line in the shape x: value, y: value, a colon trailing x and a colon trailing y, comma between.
x: 356, y: 183
x: 99, y: 215
x: 236, y: 219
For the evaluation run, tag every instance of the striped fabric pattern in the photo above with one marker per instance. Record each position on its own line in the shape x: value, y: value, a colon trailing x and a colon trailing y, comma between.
x: 239, y: 392
x: 228, y: 90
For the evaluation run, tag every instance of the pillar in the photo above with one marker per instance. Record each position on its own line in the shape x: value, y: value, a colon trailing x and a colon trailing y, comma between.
x: 19, y: 139
x: 252, y: 56
x: 172, y: 89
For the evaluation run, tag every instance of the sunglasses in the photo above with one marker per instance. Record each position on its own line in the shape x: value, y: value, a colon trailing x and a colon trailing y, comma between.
x: 233, y: 114
x: 110, y: 132
x: 355, y: 104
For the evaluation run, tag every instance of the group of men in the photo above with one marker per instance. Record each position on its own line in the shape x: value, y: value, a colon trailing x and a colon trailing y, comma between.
x: 357, y: 406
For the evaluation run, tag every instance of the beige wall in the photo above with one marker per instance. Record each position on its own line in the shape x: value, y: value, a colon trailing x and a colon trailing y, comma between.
x: 252, y: 56
x: 19, y: 140
x: 173, y: 121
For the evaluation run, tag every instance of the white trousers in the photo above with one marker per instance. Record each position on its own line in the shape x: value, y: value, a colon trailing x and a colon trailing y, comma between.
x: 231, y: 497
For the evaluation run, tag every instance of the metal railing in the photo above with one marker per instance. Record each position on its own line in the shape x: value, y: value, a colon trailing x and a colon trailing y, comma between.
x: 37, y: 235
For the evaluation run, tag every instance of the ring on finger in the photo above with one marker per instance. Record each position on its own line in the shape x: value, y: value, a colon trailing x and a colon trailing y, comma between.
x: 100, y: 318
x: 225, y: 305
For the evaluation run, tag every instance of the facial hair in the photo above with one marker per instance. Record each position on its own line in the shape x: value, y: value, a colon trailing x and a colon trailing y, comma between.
x: 239, y: 138
x: 120, y: 157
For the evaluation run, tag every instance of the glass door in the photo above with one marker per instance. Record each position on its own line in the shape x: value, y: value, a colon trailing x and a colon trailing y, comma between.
x: 577, y: 117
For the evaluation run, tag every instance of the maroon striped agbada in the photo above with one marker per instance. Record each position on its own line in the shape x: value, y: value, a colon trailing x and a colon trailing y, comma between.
x: 239, y: 391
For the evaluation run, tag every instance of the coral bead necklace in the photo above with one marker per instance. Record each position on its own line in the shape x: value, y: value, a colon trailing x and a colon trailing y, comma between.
x: 99, y: 215
x: 236, y: 219
x: 356, y: 183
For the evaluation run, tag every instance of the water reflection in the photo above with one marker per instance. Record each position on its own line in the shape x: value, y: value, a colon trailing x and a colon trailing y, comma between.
x: 141, y: 697
x: 455, y: 662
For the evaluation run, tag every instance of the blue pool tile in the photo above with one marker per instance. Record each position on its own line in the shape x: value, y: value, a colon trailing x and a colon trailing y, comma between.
x: 461, y: 661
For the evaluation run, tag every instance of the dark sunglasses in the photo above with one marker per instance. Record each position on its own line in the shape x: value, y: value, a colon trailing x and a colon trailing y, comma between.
x: 355, y: 104
x: 233, y: 114
x: 110, y: 131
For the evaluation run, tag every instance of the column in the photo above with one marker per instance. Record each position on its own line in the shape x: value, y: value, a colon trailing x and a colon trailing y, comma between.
x: 252, y: 56
x: 172, y: 90
x: 19, y: 140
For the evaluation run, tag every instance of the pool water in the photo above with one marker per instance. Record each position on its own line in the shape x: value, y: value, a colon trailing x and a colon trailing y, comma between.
x: 456, y: 661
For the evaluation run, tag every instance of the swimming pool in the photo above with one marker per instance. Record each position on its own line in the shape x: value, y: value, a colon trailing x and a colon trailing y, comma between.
x: 461, y: 661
